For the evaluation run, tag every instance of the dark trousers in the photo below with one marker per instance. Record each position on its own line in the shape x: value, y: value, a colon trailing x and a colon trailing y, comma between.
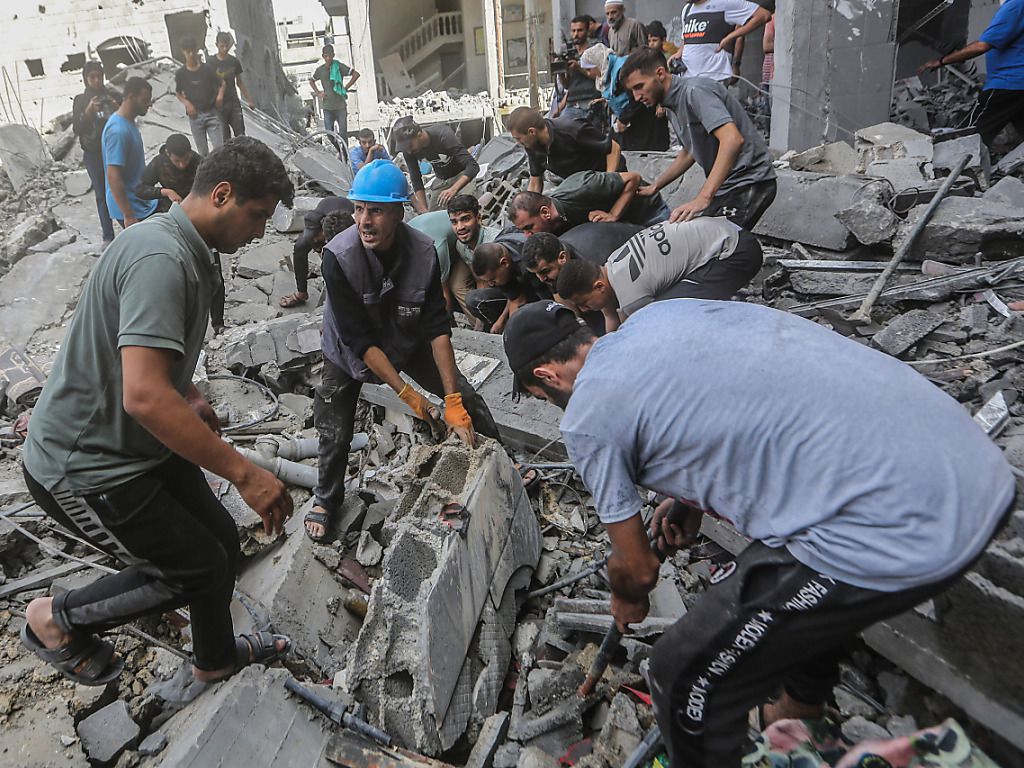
x: 217, y: 300
x: 744, y: 206
x: 997, y: 107
x: 180, y: 547
x: 486, y: 304
x: 336, y: 120
x: 771, y: 622
x: 231, y: 119
x: 334, y: 415
x: 97, y: 175
x: 721, y: 278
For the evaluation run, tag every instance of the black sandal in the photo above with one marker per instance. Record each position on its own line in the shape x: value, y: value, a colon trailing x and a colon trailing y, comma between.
x: 85, y: 659
x: 318, y: 518
x: 259, y: 648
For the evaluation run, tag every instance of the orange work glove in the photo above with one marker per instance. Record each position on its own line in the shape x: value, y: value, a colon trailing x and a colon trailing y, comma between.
x: 458, y: 419
x: 419, y: 404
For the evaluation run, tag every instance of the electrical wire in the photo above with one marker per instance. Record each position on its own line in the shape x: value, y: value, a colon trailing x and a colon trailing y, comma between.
x: 276, y: 404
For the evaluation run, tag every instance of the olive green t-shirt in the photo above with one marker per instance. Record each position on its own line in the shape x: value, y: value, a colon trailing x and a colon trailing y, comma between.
x: 151, y: 288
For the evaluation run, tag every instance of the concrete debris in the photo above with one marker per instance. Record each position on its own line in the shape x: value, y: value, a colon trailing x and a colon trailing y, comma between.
x: 889, y: 141
x: 54, y: 242
x: 77, y: 183
x: 442, y: 593
x: 291, y: 220
x: 904, y: 173
x: 1012, y: 161
x: 1009, y: 190
x: 30, y: 232
x: 284, y: 341
x: 906, y: 330
x: 153, y: 744
x: 963, y: 227
x: 947, y: 153
x: 837, y: 158
x: 22, y: 152
x: 107, y: 732
x: 870, y: 219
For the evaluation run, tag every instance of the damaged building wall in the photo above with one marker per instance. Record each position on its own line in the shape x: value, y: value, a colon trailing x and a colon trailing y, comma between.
x: 48, y: 43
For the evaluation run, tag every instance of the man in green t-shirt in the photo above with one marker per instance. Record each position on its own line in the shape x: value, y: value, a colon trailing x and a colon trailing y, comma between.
x: 120, y: 435
x: 328, y: 84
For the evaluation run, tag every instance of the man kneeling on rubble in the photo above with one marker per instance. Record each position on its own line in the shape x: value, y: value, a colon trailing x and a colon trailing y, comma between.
x: 120, y: 432
x: 706, y: 258
x: 385, y: 313
x: 860, y: 507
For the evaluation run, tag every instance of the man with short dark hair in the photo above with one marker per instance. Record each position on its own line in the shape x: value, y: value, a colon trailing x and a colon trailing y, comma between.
x: 563, y: 145
x: 578, y: 84
x: 545, y: 256
x: 715, y: 132
x: 707, y: 258
x: 328, y: 84
x: 229, y: 69
x: 625, y: 35
x: 729, y: 408
x: 311, y: 239
x: 384, y: 314
x: 120, y: 435
x: 202, y: 93
x: 366, y: 150
x: 583, y: 197
x: 124, y: 155
x: 508, y: 286
x: 89, y: 114
x: 168, y: 177
x: 455, y: 170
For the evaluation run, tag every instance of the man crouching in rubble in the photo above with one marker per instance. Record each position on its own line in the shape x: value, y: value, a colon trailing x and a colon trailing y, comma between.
x: 385, y: 313
x: 119, y: 435
x: 860, y: 505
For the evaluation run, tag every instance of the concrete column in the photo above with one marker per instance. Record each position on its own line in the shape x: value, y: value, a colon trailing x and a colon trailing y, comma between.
x: 834, y: 67
x: 495, y: 50
x: 363, y: 62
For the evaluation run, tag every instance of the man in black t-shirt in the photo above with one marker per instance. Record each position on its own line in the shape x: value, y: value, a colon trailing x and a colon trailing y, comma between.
x: 455, y: 170
x: 499, y: 266
x: 563, y: 145
x: 229, y: 70
x: 578, y: 83
x: 89, y: 114
x: 202, y: 93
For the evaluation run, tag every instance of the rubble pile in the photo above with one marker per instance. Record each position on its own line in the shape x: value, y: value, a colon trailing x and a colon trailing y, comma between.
x: 945, y: 104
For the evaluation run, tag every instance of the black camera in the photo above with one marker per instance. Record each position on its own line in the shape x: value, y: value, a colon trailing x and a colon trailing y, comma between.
x: 559, y: 62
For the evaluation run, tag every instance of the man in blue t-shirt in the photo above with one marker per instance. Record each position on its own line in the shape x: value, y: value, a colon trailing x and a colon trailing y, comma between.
x: 367, y: 150
x: 124, y: 155
x: 1002, y: 99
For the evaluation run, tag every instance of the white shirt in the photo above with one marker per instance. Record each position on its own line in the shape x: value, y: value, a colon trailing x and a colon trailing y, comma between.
x: 704, y: 27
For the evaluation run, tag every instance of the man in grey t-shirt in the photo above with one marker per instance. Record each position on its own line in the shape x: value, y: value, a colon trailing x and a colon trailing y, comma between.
x: 707, y: 258
x: 861, y: 506
x: 120, y: 434
x: 715, y: 132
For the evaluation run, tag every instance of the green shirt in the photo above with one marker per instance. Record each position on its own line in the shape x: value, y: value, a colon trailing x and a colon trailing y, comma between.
x: 438, y: 226
x: 151, y: 288
x: 588, y: 191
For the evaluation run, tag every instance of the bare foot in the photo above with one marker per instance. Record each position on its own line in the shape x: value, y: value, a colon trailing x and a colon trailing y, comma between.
x: 788, y: 708
x: 316, y: 531
x: 215, y: 675
x: 39, y: 615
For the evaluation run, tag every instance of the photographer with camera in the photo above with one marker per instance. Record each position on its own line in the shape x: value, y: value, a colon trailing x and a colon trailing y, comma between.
x: 89, y: 112
x: 577, y: 82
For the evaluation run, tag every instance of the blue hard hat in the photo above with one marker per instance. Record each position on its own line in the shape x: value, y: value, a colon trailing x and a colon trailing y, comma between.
x: 380, y: 182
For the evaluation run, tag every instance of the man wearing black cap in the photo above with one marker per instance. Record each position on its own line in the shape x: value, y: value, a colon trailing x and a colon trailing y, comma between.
x: 728, y: 409
x: 454, y: 168
x: 312, y: 239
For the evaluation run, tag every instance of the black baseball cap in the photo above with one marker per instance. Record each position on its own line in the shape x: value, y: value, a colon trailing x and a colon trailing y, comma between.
x: 314, y: 219
x: 532, y: 331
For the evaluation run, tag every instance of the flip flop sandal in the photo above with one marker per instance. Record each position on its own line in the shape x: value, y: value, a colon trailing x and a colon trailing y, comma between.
x: 533, y: 474
x: 318, y: 518
x: 259, y: 648
x: 85, y: 659
x: 290, y: 300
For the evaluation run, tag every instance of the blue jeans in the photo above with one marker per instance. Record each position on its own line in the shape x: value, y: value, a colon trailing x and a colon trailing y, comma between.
x: 336, y: 120
x: 97, y: 175
x: 206, y: 131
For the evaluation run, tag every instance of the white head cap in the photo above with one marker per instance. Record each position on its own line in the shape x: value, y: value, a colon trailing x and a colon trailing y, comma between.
x: 614, y: 4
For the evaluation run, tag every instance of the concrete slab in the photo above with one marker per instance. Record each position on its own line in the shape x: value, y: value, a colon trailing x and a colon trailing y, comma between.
x: 31, y: 231
x: 948, y: 153
x: 963, y: 227
x: 805, y: 207
x: 289, y: 587
x: 891, y: 141
x: 251, y: 721
x: 22, y: 152
x: 1009, y: 190
x: 324, y: 168
x: 906, y: 330
x: 442, y: 592
x: 293, y: 219
x: 39, y: 290
x: 837, y: 158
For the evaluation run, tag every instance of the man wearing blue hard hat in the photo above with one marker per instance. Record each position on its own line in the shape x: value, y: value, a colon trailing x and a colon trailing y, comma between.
x: 385, y: 313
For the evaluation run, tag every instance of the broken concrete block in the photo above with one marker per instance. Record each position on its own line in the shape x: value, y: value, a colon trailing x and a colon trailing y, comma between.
x: 54, y: 242
x: 837, y: 158
x: 889, y: 141
x: 325, y: 168
x: 249, y: 720
x: 22, y: 152
x: 622, y: 732
x: 259, y: 260
x: 445, y: 588
x: 107, y: 732
x: 869, y: 220
x: 287, y: 587
x: 284, y: 340
x: 906, y: 330
x: 948, y: 153
x: 805, y: 207
x: 491, y: 737
x: 1012, y: 161
x: 153, y: 744
x: 507, y: 755
x: 293, y: 219
x: 32, y: 230
x: 963, y: 227
x: 369, y: 552
x: 905, y: 173
x: 77, y: 183
x: 1009, y: 190
x: 858, y: 729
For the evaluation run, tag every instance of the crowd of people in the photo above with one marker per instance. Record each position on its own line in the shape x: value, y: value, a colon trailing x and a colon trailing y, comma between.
x: 725, y: 408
